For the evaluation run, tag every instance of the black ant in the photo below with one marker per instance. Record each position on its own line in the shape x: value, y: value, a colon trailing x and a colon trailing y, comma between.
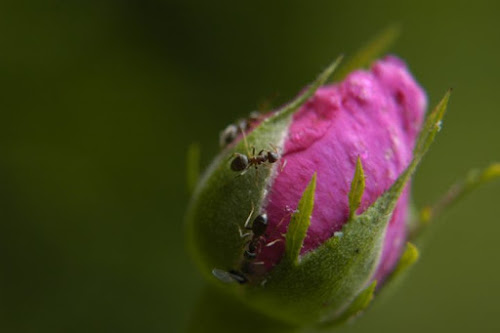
x: 258, y: 229
x: 252, y: 250
x: 242, y: 162
x: 230, y: 133
x: 253, y: 247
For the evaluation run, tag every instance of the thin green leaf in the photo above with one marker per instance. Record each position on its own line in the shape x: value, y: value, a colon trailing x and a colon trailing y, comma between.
x: 431, y: 126
x: 192, y: 166
x: 291, y: 107
x: 357, y: 189
x: 301, y: 219
x: 409, y: 257
x: 371, y: 51
x: 407, y: 260
x: 458, y: 191
x: 359, y: 304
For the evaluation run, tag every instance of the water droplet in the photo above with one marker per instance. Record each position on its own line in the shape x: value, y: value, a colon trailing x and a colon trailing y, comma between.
x: 439, y: 125
x: 338, y: 234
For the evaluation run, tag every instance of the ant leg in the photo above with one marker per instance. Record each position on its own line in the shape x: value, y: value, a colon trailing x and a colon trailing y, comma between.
x: 273, y: 147
x: 274, y: 242
x: 243, y: 235
x: 233, y: 155
x: 241, y: 173
x: 240, y: 231
x: 247, y: 222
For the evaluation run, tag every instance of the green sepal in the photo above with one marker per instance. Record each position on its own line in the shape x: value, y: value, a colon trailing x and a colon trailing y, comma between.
x: 360, y: 303
x: 473, y: 180
x: 192, y: 166
x: 408, y: 259
x: 371, y: 51
x: 224, y: 198
x: 299, y: 223
x: 357, y: 189
x: 327, y: 280
x: 426, y: 137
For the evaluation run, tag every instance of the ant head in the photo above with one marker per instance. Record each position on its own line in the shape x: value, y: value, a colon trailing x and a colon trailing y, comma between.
x: 239, y: 163
x: 259, y: 225
x: 272, y: 156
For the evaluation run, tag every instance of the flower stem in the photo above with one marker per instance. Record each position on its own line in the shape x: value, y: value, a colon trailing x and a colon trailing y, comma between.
x: 217, y: 311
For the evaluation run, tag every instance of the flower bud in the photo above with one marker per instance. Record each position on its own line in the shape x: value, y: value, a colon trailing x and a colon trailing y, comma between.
x: 306, y: 209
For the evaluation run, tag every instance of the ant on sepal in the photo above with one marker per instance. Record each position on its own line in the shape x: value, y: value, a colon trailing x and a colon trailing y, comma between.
x: 241, y: 162
x: 256, y: 231
x: 230, y: 133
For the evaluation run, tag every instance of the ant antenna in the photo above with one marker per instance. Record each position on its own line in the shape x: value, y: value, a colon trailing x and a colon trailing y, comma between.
x: 273, y: 147
x: 247, y: 222
x: 245, y: 141
x: 274, y: 242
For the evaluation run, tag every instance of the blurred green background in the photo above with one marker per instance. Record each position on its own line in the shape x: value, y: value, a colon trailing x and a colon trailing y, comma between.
x: 99, y: 100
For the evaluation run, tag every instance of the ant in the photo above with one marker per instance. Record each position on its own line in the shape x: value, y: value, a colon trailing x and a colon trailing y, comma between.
x: 242, y: 162
x: 230, y: 133
x: 256, y: 230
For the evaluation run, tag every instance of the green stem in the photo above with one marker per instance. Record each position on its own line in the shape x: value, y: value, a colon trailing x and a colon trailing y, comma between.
x: 474, y: 180
x: 217, y: 311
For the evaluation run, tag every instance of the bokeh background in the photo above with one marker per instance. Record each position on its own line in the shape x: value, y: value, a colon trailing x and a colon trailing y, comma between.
x: 100, y: 99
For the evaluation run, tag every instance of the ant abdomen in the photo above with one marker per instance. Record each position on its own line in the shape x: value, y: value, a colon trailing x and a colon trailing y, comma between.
x: 239, y: 162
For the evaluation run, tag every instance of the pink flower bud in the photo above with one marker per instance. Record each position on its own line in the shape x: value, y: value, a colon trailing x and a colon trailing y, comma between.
x: 306, y: 211
x: 375, y: 115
